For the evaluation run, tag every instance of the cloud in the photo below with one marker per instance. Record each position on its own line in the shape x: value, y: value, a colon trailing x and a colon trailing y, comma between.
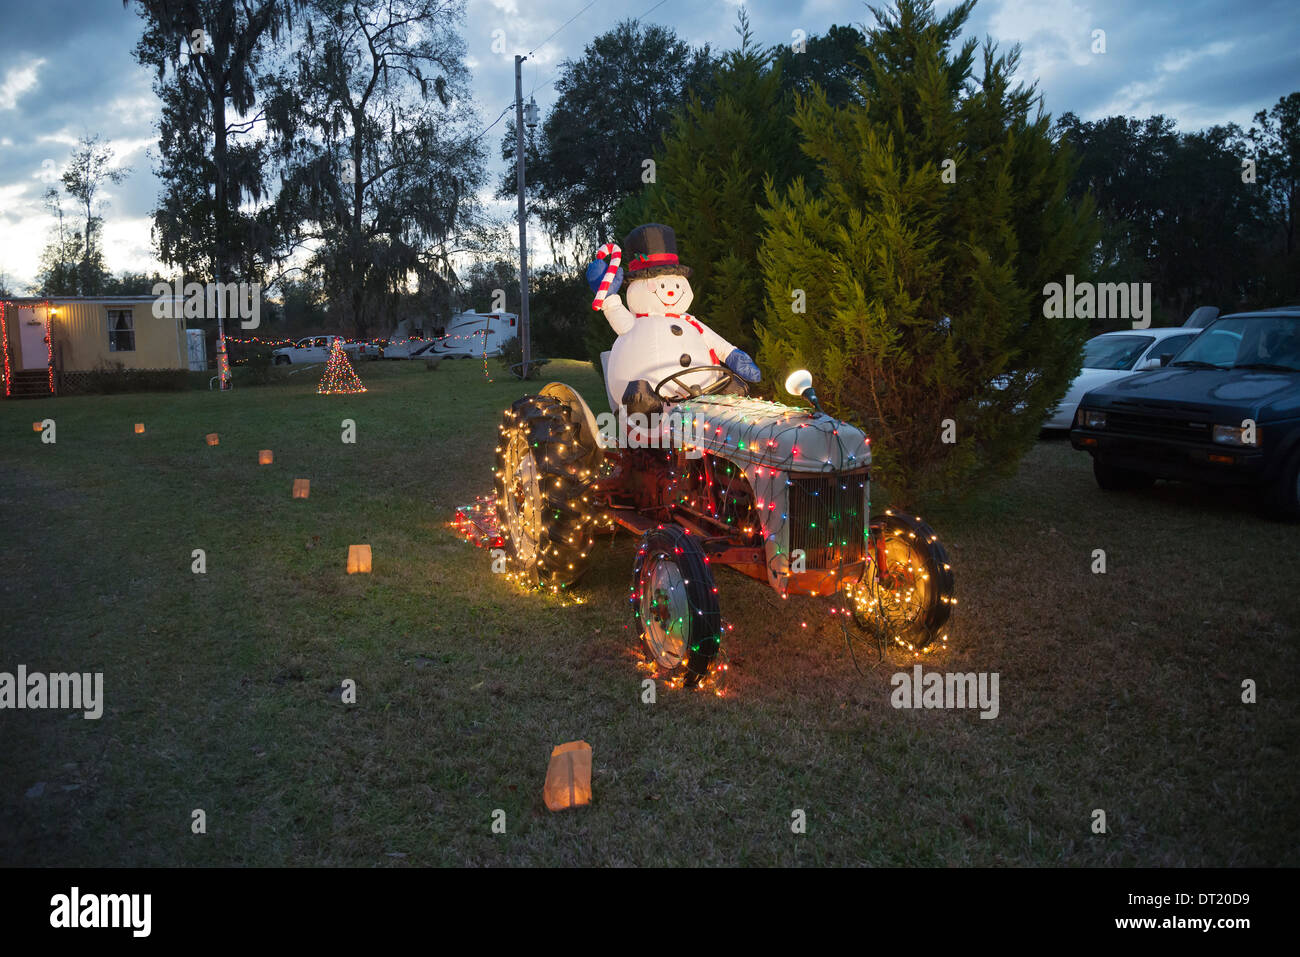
x: 1180, y: 60
x: 17, y: 82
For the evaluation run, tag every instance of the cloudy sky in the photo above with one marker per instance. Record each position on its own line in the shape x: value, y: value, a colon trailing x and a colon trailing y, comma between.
x: 66, y: 71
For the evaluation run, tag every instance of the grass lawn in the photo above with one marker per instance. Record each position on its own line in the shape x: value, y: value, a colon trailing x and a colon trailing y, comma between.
x: 1119, y: 691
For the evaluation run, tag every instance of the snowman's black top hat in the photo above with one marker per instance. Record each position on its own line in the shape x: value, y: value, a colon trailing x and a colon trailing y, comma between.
x: 651, y: 250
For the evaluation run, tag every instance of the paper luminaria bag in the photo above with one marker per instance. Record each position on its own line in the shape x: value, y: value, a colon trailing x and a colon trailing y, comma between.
x: 265, y: 457
x: 358, y: 559
x: 568, y: 778
x: 301, y: 488
x: 214, y: 438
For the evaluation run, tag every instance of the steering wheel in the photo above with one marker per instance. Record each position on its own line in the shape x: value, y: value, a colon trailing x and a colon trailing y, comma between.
x: 695, y: 391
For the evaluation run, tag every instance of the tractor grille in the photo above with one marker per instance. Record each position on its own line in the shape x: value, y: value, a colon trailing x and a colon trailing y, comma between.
x: 828, y: 518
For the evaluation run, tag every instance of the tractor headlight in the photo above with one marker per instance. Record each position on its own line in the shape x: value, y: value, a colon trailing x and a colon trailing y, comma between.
x: 1093, y: 420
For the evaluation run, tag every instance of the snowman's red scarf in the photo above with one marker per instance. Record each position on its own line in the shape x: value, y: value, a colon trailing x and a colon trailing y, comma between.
x: 689, y: 318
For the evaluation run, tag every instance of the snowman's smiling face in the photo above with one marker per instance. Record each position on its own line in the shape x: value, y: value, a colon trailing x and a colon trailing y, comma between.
x: 659, y: 295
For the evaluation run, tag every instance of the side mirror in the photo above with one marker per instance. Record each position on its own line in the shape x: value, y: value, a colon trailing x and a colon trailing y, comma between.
x: 1166, y: 359
x: 1152, y: 363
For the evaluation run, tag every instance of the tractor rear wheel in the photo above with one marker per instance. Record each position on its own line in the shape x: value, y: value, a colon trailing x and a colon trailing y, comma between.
x: 542, y: 474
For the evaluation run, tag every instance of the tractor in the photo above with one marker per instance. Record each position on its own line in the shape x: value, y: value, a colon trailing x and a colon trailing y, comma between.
x: 718, y: 478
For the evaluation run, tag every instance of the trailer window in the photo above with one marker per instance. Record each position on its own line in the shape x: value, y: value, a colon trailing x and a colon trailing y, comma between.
x: 121, y: 330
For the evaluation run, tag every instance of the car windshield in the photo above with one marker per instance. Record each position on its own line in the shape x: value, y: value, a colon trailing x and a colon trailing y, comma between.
x: 1252, y: 342
x: 1114, y: 352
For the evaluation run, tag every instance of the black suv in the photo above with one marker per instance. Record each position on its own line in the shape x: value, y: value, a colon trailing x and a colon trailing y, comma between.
x: 1225, y: 410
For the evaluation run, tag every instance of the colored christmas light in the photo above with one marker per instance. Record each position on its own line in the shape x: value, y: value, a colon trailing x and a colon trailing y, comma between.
x: 744, y: 439
x: 49, y: 343
x: 4, y: 344
x: 339, y: 378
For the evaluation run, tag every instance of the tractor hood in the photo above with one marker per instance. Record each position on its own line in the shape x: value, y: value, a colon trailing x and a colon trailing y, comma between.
x: 759, y: 432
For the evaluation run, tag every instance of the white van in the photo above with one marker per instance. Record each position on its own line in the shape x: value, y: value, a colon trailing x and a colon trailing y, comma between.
x: 474, y: 334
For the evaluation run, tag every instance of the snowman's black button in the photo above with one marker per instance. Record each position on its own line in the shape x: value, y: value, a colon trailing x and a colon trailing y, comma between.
x: 677, y: 330
x: 685, y: 360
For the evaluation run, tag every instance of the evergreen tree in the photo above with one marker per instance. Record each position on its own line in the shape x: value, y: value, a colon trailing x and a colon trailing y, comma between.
x: 924, y: 291
x: 611, y: 110
x: 833, y: 63
x: 709, y: 185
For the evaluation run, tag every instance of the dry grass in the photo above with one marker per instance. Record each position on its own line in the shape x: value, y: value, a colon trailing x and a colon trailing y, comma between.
x: 1118, y: 691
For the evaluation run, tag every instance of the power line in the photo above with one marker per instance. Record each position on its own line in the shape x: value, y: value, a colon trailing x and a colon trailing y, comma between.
x: 484, y: 132
x: 565, y: 24
x: 556, y: 72
x: 510, y: 106
x: 652, y: 9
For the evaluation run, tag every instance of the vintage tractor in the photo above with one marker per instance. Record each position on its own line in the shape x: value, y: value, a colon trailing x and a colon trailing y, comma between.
x: 718, y: 478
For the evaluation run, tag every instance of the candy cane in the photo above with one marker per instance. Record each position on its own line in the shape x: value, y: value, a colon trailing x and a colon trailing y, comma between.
x: 615, y: 255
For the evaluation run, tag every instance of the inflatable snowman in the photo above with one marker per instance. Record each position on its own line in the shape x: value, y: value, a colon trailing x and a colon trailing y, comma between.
x: 657, y: 337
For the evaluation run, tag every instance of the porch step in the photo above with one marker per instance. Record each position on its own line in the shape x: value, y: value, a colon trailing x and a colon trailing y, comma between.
x: 29, y: 384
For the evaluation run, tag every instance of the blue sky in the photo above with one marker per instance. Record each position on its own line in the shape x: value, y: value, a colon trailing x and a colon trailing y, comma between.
x: 66, y: 71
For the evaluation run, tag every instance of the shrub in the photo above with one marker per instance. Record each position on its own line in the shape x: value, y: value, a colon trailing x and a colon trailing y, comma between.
x: 111, y: 378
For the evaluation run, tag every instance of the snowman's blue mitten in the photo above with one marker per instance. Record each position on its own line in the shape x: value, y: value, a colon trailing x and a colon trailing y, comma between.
x: 741, y: 364
x: 596, y: 272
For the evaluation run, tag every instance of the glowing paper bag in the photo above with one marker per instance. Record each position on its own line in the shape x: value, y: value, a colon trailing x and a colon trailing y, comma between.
x: 568, y: 779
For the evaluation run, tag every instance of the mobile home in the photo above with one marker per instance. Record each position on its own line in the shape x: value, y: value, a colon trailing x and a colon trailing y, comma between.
x: 45, y: 341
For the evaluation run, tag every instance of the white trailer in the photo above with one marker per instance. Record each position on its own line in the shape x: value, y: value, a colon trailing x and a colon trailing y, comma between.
x: 475, y: 334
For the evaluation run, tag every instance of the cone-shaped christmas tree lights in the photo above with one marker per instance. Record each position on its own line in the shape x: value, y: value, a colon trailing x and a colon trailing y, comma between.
x: 339, y: 378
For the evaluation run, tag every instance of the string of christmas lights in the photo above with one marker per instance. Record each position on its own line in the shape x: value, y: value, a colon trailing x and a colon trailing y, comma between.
x: 4, y: 345
x: 49, y: 346
x: 49, y: 343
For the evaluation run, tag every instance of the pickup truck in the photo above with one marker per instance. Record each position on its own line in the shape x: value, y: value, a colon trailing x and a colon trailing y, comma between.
x: 1224, y: 411
x: 315, y: 349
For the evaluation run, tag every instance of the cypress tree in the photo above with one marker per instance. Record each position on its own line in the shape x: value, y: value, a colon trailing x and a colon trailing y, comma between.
x: 922, y: 255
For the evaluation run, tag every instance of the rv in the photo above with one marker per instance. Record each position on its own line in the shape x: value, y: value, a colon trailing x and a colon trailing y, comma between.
x: 476, y: 334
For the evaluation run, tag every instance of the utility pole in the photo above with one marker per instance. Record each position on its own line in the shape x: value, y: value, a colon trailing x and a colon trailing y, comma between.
x: 525, y: 337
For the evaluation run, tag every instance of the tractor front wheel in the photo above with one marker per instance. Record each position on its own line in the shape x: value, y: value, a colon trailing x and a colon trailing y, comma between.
x: 676, y: 604
x: 907, y: 594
